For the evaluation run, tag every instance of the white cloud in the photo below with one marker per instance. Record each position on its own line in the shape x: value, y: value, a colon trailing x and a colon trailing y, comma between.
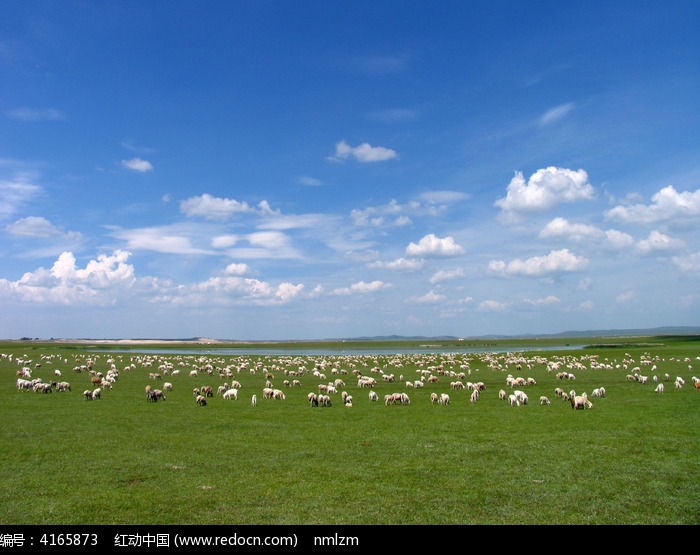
x: 137, y: 165
x: 431, y: 245
x: 555, y: 114
x: 309, y: 181
x: 430, y: 297
x: 213, y: 208
x: 158, y: 239
x: 548, y: 300
x: 618, y: 239
x: 224, y: 241
x: 560, y: 227
x: 667, y: 205
x: 625, y: 297
x: 492, y: 306
x: 658, y: 241
x: 65, y: 283
x: 444, y: 275
x: 34, y: 226
x: 407, y: 264
x: 14, y: 194
x: 236, y: 269
x: 362, y: 153
x: 556, y: 261
x: 545, y: 189
x: 230, y: 289
x: 688, y: 263
x: 362, y: 287
x: 36, y: 114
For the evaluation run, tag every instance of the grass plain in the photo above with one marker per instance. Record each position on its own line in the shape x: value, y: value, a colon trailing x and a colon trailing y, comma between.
x: 634, y: 458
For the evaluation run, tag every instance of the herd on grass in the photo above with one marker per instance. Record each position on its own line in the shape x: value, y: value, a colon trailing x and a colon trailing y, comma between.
x: 366, y: 371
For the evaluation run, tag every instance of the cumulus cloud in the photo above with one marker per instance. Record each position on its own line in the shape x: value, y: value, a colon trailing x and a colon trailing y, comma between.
x: 362, y: 153
x: 667, y: 205
x: 14, y: 194
x: 555, y: 114
x: 560, y: 227
x: 657, y: 241
x: 545, y: 189
x: 407, y: 264
x: 236, y: 269
x: 137, y: 165
x: 230, y: 289
x: 432, y: 245
x: 362, y: 287
x: 444, y: 275
x: 554, y: 262
x: 618, y: 239
x: 688, y: 263
x: 213, y: 208
x: 66, y: 283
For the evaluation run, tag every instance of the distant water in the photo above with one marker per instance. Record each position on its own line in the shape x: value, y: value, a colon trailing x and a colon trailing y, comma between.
x: 368, y: 351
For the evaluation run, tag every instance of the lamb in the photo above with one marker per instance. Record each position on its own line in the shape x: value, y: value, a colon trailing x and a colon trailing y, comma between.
x: 513, y: 400
x: 474, y: 396
x: 313, y: 399
x: 434, y: 398
x: 659, y: 388
x: 373, y: 396
x: 502, y: 394
x: 231, y: 394
x: 201, y: 400
x: 254, y: 400
x: 167, y: 386
x: 444, y: 399
x: 544, y: 400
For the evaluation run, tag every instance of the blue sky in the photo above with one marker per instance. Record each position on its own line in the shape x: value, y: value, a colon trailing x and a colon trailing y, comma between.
x: 302, y: 170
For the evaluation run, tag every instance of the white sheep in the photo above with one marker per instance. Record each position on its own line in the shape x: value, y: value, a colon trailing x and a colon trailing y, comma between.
x: 544, y: 400
x: 502, y: 394
x: 231, y: 394
x: 513, y: 400
x: 659, y: 388
x: 373, y: 396
x: 444, y: 399
x: 254, y: 400
x: 434, y: 398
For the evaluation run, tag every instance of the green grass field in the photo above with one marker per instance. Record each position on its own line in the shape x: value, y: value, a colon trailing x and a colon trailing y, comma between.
x: 634, y: 458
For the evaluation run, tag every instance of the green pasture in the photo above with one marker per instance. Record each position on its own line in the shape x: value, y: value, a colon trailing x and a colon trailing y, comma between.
x: 634, y: 458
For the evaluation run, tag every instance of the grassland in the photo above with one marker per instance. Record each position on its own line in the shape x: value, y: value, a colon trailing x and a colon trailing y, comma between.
x: 632, y: 459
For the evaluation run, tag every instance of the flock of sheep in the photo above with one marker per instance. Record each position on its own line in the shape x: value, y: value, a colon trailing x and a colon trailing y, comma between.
x: 328, y: 376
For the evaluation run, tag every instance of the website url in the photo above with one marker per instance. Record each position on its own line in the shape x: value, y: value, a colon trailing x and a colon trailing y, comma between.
x: 235, y: 539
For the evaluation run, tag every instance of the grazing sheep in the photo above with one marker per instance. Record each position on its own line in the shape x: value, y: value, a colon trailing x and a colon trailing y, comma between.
x: 434, y: 398
x: 268, y: 392
x: 544, y: 400
x: 87, y: 394
x: 254, y: 400
x: 444, y: 399
x: 659, y: 388
x: 231, y: 394
x: 580, y: 402
x: 474, y: 397
x: 97, y: 393
x: 502, y: 394
x: 313, y: 399
x: 167, y: 386
x: 373, y: 396
x: 513, y: 400
x: 201, y: 400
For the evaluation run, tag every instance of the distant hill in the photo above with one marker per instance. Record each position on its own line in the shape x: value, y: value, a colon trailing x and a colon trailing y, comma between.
x: 633, y: 332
